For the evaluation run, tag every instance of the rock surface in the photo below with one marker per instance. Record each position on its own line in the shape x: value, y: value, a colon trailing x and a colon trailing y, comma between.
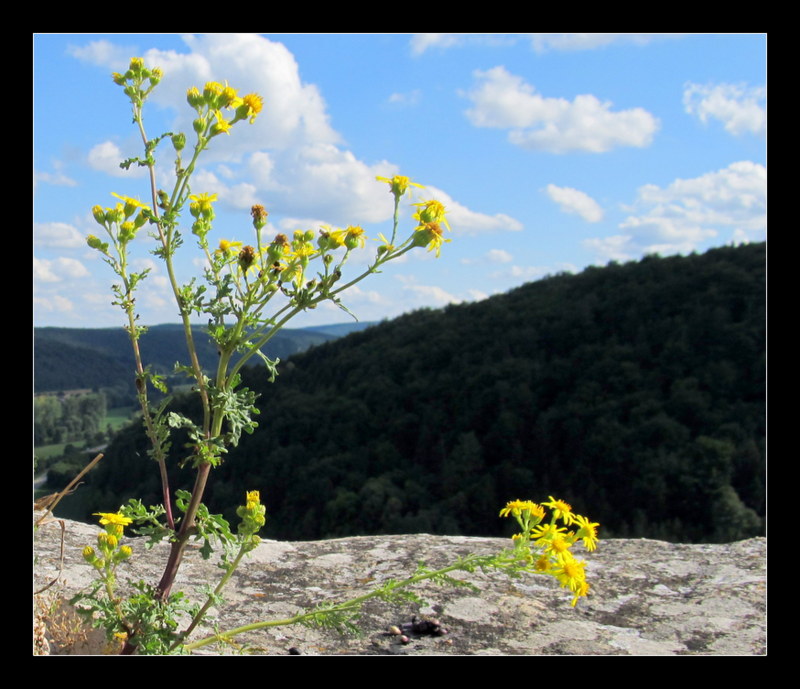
x: 648, y: 597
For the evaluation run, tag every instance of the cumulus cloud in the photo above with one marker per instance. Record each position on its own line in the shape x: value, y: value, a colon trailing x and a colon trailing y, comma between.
x: 59, y: 269
x: 687, y: 212
x: 106, y: 157
x: 499, y: 256
x: 573, y: 201
x: 502, y: 100
x: 52, y: 303
x: 464, y: 220
x: 292, y: 155
x: 740, y: 108
x: 57, y: 235
x: 57, y: 178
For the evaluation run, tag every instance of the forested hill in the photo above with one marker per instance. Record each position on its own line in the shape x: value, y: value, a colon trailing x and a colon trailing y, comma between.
x: 636, y: 392
x: 66, y: 358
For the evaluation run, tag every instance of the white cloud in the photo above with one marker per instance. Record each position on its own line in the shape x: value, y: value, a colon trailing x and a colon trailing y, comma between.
x: 57, y: 178
x: 517, y: 273
x: 680, y: 217
x: 502, y: 100
x: 573, y: 201
x: 103, y: 53
x: 540, y: 42
x: 57, y: 235
x: 58, y: 269
x: 432, y: 295
x: 499, y: 256
x: 292, y: 154
x: 53, y: 302
x: 106, y: 157
x: 740, y: 108
x: 464, y: 220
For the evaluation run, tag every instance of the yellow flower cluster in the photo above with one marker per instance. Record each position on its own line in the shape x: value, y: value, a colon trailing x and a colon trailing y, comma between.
x: 216, y: 97
x: 110, y: 551
x: 253, y: 516
x: 553, y: 542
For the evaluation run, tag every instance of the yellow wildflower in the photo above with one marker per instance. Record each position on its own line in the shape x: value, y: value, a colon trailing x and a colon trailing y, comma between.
x: 222, y: 125
x: 254, y: 103
x: 399, y: 184
x: 587, y: 531
x: 113, y: 518
x: 546, y: 532
x: 431, y: 212
x: 354, y: 237
x: 517, y: 507
x: 430, y: 235
x: 226, y: 247
x: 561, y: 509
x: 131, y: 205
x: 571, y: 574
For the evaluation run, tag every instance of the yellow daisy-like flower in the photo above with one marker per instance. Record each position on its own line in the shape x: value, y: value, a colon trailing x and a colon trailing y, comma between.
x: 398, y: 185
x: 587, y: 531
x: 546, y: 532
x: 131, y: 205
x: 516, y: 507
x: 254, y: 103
x: 226, y: 247
x: 571, y: 574
x: 559, y: 547
x: 431, y: 212
x: 354, y: 236
x: 205, y: 200
x: 562, y: 510
x: 430, y: 235
x: 222, y: 125
x: 113, y: 518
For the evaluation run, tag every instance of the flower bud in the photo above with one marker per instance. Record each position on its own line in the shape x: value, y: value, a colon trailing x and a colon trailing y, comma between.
x: 211, y: 92
x: 89, y: 555
x: 354, y: 237
x: 179, y: 141
x: 194, y: 98
x: 116, y: 214
x: 127, y: 231
x: 199, y: 125
x: 99, y: 215
x: 95, y: 243
x: 278, y: 248
x: 124, y: 553
x: 155, y: 75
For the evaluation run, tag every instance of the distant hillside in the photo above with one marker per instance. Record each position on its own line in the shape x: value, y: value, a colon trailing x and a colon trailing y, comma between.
x: 636, y: 392
x: 67, y: 358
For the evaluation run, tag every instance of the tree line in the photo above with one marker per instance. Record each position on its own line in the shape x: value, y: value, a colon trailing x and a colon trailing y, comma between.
x: 634, y: 391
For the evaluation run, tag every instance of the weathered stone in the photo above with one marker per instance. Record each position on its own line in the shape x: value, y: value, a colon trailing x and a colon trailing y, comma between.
x: 648, y: 597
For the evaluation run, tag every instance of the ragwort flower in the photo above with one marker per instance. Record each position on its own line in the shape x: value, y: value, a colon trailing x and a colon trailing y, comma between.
x: 398, y: 185
x: 587, y: 531
x: 561, y: 509
x: 113, y: 518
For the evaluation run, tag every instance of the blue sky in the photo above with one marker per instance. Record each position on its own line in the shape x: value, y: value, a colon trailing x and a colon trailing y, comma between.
x: 551, y: 152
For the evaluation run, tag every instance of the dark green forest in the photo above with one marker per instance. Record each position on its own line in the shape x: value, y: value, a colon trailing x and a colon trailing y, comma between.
x: 68, y: 358
x: 635, y: 391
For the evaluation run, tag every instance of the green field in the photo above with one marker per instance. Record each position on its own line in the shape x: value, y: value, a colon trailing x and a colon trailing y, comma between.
x: 118, y: 417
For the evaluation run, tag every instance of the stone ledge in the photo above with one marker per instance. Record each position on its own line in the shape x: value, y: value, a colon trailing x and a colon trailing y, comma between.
x: 648, y: 597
